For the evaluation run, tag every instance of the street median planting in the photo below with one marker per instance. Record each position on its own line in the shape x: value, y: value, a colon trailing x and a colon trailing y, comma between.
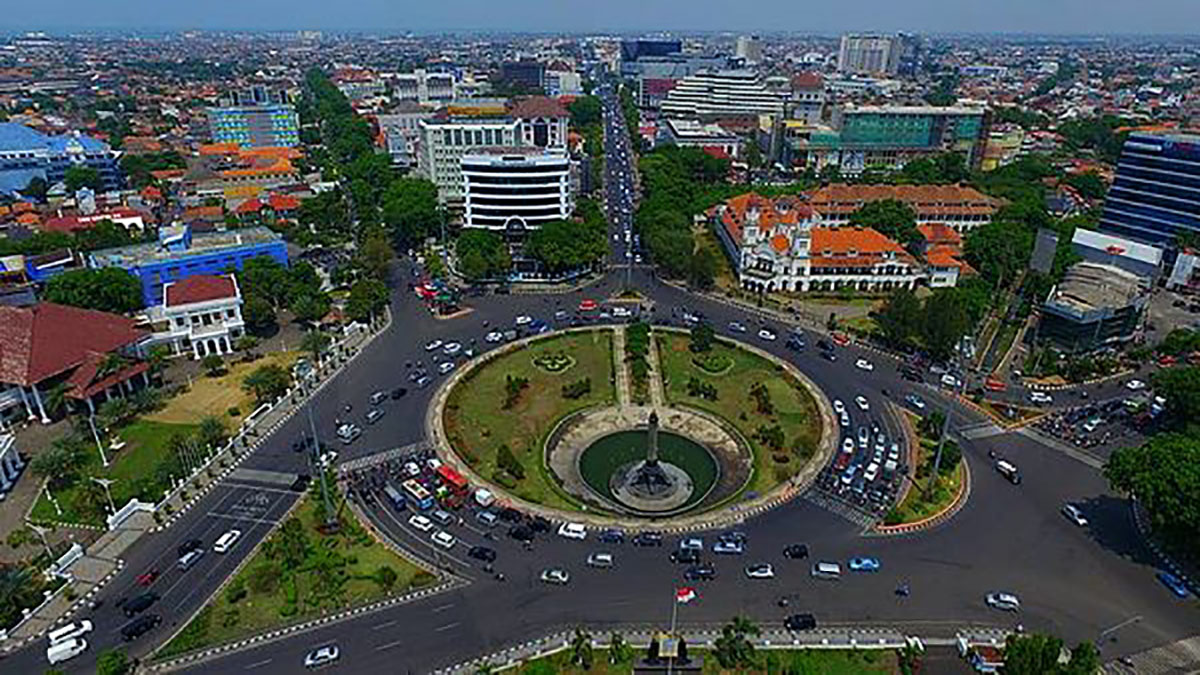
x: 927, y: 499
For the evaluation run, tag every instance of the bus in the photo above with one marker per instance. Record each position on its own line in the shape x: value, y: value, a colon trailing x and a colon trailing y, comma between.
x: 394, y: 497
x: 417, y: 494
x: 452, y: 479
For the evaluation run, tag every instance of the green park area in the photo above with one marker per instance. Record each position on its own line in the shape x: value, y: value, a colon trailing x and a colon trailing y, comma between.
x: 300, y: 572
x: 926, y: 498
x: 221, y: 394
x: 770, y: 408
x: 498, y: 416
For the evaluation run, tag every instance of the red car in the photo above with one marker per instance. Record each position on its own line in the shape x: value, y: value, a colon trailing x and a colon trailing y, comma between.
x: 1167, y: 360
x: 992, y: 384
x: 841, y: 339
x: 587, y: 305
x: 147, y: 578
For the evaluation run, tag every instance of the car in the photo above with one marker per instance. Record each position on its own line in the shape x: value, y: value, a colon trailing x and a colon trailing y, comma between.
x: 844, y: 419
x: 760, y: 571
x: 139, y: 626
x: 539, y: 524
x: 863, y: 364
x: 687, y: 556
x: 701, y: 572
x: 398, y: 393
x: 494, y: 337
x: 1074, y: 515
x: 374, y: 415
x: 1004, y: 601
x: 1040, y: 397
x: 443, y: 539
x: 622, y: 312
x: 864, y: 437
x: 863, y: 564
x: 147, y: 578
x: 378, y: 397
x: 555, y: 575
x: 521, y: 533
x: 795, y: 342
x: 800, y: 622
x: 691, y: 544
x: 452, y: 348
x: 226, y: 541
x: 647, y: 539
x: 915, y: 402
x: 1135, y: 385
x: 139, y: 603
x: 767, y: 335
x: 737, y: 327
x: 602, y: 560
x: 188, y: 546
x: 611, y: 536
x: 423, y: 381
x: 829, y: 356
x: 572, y: 531
x: 1009, y: 471
x: 872, y: 472
x: 483, y: 553
x: 795, y: 551
x: 1173, y: 583
x: 951, y: 381
x: 728, y: 547
x: 587, y: 305
x: 321, y: 656
x: 432, y: 345
x: 523, y: 320
x: 838, y: 406
x: 445, y: 367
x: 862, y: 403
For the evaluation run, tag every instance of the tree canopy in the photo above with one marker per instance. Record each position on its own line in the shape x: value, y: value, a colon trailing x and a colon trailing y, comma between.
x: 410, y: 210
x: 1164, y: 474
x: 890, y: 217
x: 1038, y: 654
x: 108, y: 289
x: 482, y: 254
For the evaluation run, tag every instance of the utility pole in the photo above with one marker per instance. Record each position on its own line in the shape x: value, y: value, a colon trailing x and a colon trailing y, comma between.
x: 960, y: 387
x: 99, y: 445
x: 331, y: 523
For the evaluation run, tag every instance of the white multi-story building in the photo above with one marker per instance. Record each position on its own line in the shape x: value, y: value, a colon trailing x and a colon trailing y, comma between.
x: 516, y: 189
x: 201, y: 314
x: 869, y: 54
x: 722, y: 94
x: 693, y: 134
x: 749, y: 48
x: 401, y: 131
x: 424, y: 87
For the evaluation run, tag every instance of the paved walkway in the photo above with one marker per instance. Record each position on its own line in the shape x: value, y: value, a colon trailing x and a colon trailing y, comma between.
x: 621, y: 369
x: 658, y: 398
x: 1182, y: 656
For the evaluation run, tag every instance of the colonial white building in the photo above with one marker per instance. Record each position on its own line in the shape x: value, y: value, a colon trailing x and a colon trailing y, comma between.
x: 201, y: 314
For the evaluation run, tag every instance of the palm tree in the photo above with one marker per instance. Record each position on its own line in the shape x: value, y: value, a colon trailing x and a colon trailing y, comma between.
x: 111, y: 363
x: 114, y: 412
x: 16, y: 590
x: 315, y: 343
x: 581, y: 649
x: 56, y: 399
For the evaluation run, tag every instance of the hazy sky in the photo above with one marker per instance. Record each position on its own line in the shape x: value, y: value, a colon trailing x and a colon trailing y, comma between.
x: 1026, y: 16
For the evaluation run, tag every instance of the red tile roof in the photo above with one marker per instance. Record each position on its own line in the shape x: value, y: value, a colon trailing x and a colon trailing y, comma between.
x: 46, y: 339
x: 538, y: 106
x: 807, y: 80
x: 940, y: 233
x: 83, y: 383
x: 840, y: 198
x: 283, y: 202
x: 854, y: 247
x: 249, y: 206
x: 199, y: 288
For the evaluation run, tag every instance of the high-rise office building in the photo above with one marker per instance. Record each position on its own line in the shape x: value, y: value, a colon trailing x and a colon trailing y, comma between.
x: 529, y: 75
x: 749, y: 48
x: 515, y: 189
x: 722, y: 93
x: 870, y: 54
x: 1156, y: 193
x: 633, y: 50
x: 255, y: 126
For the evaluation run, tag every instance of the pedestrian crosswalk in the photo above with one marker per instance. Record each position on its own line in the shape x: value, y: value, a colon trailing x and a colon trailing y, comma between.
x: 979, y: 430
x: 840, y: 508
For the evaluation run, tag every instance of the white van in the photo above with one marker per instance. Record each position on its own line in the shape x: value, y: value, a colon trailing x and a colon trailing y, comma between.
x: 827, y: 570
x: 226, y: 541
x: 65, y: 650
x: 69, y: 631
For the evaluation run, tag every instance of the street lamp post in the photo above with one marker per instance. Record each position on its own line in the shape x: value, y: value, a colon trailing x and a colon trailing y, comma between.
x: 95, y: 435
x: 41, y: 533
x: 106, y: 483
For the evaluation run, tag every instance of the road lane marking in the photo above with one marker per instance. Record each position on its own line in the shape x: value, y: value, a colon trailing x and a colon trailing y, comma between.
x: 385, y: 624
x: 446, y: 627
x: 442, y: 608
x: 388, y: 646
x: 260, y: 664
x: 260, y: 521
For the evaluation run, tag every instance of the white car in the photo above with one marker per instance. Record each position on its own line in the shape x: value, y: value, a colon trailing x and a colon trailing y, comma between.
x: 838, y: 406
x: 862, y: 403
x: 421, y: 523
x: 452, y: 348
x: 572, y: 531
x: 844, y: 419
x: 226, y: 541
x: 1135, y: 385
x: 322, y: 656
x: 1074, y: 515
x: 600, y: 560
x: 555, y: 575
x: 493, y: 337
x: 1040, y: 397
x: 951, y: 381
x: 872, y: 472
x: 863, y: 364
x: 446, y: 367
x: 621, y: 312
x: 430, y: 346
x: 524, y: 320
x: 737, y: 327
x: 767, y: 335
x: 760, y: 571
x: 848, y: 445
x: 1003, y: 601
x: 443, y: 539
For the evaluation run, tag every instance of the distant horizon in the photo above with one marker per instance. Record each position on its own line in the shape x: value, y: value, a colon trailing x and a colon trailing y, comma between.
x: 1047, y: 18
x: 70, y: 31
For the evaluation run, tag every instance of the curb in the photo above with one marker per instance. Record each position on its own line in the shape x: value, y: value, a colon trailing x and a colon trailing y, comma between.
x: 1143, y: 528
x: 930, y: 522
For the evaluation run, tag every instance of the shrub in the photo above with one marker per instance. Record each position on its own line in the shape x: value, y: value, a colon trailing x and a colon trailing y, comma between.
x: 234, y: 411
x: 235, y: 591
x: 422, y: 578
x: 513, y: 386
x: 386, y: 577
x: 780, y: 458
x: 770, y: 436
x: 507, y: 461
x: 893, y: 517
x: 712, y: 363
x: 231, y: 618
x: 701, y: 389
x: 577, y: 389
x: 762, y: 399
x: 264, y: 578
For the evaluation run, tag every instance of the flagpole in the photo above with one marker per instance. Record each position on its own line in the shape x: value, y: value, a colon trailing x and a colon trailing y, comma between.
x: 674, y: 615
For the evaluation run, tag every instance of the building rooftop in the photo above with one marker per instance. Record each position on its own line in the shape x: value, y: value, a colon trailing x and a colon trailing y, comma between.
x: 1118, y: 246
x: 46, y: 339
x: 913, y: 109
x: 136, y: 255
x: 1088, y: 287
x: 199, y: 288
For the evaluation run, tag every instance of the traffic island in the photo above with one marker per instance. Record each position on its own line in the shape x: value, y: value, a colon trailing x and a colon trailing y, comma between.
x: 928, y: 502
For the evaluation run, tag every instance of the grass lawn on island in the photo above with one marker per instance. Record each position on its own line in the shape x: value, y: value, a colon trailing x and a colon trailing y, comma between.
x: 921, y: 503
x: 353, y: 557
x: 477, y: 424
x: 798, y: 661
x: 795, y: 410
x: 131, y: 468
x: 217, y: 395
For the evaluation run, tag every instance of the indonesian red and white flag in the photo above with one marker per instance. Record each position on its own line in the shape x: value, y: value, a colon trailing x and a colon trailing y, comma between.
x: 685, y: 595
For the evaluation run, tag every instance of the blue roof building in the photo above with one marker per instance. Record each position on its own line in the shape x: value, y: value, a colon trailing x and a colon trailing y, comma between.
x: 179, y: 254
x: 26, y: 154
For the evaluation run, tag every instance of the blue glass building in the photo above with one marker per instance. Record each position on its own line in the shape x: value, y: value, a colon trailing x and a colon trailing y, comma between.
x: 1156, y: 192
x: 27, y: 153
x: 179, y: 254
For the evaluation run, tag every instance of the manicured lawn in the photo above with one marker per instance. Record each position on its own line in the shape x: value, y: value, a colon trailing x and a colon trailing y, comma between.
x: 921, y: 503
x: 132, y: 468
x: 477, y: 423
x: 275, y: 594
x: 217, y: 395
x: 797, y: 662
x: 795, y: 411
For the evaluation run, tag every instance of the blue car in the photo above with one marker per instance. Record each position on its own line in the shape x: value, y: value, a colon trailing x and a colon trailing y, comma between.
x: 864, y: 564
x: 1174, y: 584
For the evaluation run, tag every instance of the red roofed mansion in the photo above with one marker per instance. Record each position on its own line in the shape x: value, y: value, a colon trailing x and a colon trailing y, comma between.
x: 201, y: 314
x: 92, y: 355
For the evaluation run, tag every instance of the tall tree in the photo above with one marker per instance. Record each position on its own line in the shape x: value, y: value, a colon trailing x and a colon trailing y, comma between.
x: 367, y: 298
x: 410, y: 209
x: 77, y: 176
x: 109, y: 289
x: 901, y: 317
x: 1164, y: 474
x: 946, y: 321
x: 890, y: 217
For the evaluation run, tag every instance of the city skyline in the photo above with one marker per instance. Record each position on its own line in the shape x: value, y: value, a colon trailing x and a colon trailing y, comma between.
x: 1064, y: 17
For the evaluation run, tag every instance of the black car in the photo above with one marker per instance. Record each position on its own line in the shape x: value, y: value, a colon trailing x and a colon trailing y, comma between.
x: 912, y: 375
x: 825, y: 345
x: 794, y: 343
x: 521, y: 533
x: 612, y: 536
x: 139, y: 604
x: 482, y: 553
x: 398, y: 393
x: 188, y: 546
x: 539, y: 524
x: 510, y: 515
x: 829, y: 356
x: 687, y: 556
x: 301, y: 483
x: 800, y: 622
x: 647, y: 539
x: 795, y: 551
x: 702, y: 572
x: 139, y: 626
